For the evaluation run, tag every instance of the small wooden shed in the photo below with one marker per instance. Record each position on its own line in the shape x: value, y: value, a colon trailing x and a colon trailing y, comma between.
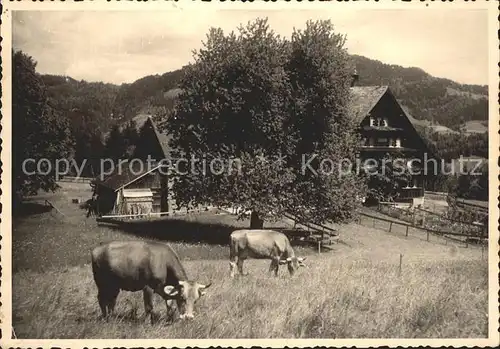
x: 135, y: 201
x: 132, y: 193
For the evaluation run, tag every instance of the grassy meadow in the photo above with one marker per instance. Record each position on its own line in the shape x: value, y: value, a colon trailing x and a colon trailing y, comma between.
x: 357, y: 290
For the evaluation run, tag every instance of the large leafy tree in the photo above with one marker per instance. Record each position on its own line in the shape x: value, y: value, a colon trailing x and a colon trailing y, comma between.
x: 255, y: 103
x: 38, y: 131
x: 320, y: 77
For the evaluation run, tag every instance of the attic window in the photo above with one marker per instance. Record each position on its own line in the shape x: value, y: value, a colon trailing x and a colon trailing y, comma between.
x: 384, y: 122
x: 372, y: 121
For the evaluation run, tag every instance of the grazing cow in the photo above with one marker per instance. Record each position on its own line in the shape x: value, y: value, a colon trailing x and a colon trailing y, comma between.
x: 150, y: 267
x: 262, y: 244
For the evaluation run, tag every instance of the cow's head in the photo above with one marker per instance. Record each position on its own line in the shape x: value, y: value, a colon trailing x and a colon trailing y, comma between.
x: 186, y: 295
x: 294, y: 263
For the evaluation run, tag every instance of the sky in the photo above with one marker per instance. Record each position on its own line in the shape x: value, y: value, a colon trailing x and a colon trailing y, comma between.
x: 121, y: 47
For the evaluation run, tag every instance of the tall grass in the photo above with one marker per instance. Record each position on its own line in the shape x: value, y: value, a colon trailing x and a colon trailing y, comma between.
x: 353, y: 291
x: 331, y: 299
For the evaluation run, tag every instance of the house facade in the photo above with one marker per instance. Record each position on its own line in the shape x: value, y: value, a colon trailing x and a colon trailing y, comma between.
x: 386, y: 129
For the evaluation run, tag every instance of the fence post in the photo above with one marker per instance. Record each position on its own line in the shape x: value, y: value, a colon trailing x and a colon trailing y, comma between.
x: 400, y: 263
x: 374, y: 222
x: 407, y: 230
x: 390, y: 227
x: 427, y: 235
x: 466, y: 237
x: 319, y: 246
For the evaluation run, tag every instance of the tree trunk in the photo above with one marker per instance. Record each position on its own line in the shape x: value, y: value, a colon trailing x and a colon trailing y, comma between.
x: 255, y: 221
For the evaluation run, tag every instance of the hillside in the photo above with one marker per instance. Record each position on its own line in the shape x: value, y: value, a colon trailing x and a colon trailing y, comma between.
x: 425, y: 97
x: 441, y: 103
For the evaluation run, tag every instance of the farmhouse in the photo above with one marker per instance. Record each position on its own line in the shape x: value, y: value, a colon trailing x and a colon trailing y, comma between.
x: 138, y: 186
x: 384, y: 125
x: 386, y: 128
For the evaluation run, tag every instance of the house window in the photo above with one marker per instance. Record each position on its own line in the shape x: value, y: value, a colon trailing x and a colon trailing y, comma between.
x: 392, y: 142
x: 372, y: 121
x: 385, y: 122
x: 371, y: 142
x: 398, y: 142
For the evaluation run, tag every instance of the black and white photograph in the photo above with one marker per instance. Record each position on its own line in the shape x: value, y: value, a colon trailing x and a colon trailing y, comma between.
x: 202, y: 174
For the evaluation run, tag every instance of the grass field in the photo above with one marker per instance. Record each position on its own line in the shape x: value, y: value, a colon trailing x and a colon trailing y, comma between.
x: 356, y: 290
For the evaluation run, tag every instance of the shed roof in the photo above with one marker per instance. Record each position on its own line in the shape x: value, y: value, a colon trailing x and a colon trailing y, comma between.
x: 126, y: 174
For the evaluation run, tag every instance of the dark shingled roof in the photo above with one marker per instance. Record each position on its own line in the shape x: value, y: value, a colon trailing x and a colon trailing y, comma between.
x: 364, y: 98
x: 129, y: 172
x: 163, y: 139
x: 122, y: 175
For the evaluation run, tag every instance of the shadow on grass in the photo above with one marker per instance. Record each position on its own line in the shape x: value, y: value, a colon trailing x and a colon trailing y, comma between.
x: 26, y: 209
x: 176, y: 230
x: 179, y: 230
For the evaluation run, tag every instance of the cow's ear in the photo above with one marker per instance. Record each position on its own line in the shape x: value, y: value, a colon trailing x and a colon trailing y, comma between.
x: 170, y: 290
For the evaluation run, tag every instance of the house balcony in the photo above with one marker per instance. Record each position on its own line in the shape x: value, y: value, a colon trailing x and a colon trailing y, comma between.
x: 386, y: 148
x: 369, y: 128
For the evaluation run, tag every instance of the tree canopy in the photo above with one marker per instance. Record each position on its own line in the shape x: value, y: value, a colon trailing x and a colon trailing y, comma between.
x: 262, y: 103
x: 38, y: 131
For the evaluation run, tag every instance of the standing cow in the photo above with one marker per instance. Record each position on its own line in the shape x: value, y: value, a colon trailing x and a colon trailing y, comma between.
x: 262, y: 244
x: 150, y: 267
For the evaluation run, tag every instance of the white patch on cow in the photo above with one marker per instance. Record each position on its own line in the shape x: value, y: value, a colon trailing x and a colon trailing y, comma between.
x: 170, y: 290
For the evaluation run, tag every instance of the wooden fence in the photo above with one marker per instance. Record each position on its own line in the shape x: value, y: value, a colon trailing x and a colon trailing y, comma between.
x: 76, y: 179
x: 444, y: 234
x: 464, y: 204
x: 316, y: 233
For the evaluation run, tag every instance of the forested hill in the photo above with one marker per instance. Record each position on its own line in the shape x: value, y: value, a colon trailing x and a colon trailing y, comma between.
x: 425, y: 97
x: 443, y: 101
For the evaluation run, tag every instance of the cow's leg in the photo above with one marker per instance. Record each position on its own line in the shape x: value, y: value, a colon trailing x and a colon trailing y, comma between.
x: 169, y: 302
x: 276, y: 262
x: 240, y: 265
x: 171, y: 308
x: 271, y: 267
x: 148, y: 302
x: 232, y: 266
x: 113, y: 294
x: 103, y: 302
x: 233, y: 256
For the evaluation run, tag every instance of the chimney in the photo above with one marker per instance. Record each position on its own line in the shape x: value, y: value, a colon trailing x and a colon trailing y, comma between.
x: 355, y: 78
